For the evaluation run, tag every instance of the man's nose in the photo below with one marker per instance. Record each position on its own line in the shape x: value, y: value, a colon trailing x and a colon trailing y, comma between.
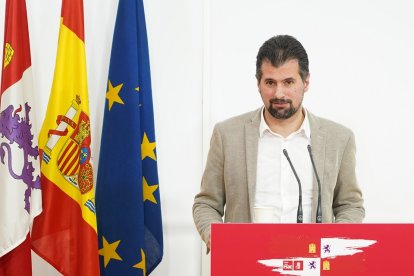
x: 279, y: 92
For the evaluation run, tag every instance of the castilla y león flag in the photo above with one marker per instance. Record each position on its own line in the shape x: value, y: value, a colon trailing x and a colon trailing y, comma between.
x: 20, y: 195
x: 65, y: 234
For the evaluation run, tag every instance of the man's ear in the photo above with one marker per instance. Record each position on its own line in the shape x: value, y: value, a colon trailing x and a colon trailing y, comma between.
x: 306, y: 83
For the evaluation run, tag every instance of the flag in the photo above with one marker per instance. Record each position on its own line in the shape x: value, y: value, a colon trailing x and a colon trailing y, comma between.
x: 127, y: 193
x: 20, y: 195
x: 65, y: 234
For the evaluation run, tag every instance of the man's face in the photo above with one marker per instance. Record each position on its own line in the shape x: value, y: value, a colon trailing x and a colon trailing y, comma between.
x: 282, y: 88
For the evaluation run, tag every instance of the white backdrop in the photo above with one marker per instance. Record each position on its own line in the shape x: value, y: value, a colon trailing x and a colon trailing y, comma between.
x: 203, y: 64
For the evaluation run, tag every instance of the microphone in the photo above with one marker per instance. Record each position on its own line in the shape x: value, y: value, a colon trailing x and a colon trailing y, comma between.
x: 299, y: 218
x: 318, y: 209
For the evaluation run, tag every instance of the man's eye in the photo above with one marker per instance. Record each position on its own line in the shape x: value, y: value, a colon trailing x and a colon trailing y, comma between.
x: 270, y: 83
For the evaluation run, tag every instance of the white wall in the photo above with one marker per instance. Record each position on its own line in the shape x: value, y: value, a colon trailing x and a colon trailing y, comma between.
x: 203, y: 63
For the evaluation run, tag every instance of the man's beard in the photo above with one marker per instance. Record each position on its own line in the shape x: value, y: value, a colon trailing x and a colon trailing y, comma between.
x: 285, y: 113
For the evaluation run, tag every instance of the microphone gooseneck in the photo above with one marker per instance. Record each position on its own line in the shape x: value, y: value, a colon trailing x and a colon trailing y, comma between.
x: 299, y: 218
x: 319, y: 208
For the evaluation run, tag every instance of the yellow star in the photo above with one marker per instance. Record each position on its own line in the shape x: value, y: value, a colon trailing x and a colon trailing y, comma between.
x: 149, y: 191
x: 147, y: 148
x: 108, y: 251
x: 142, y: 265
x: 113, y: 94
x: 137, y: 88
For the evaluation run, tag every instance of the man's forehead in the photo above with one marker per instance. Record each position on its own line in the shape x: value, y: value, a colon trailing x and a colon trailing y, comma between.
x: 289, y: 69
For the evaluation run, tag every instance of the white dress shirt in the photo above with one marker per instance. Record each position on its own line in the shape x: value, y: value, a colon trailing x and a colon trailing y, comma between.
x: 276, y: 185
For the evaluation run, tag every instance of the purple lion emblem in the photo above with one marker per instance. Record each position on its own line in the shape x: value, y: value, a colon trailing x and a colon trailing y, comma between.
x: 18, y: 130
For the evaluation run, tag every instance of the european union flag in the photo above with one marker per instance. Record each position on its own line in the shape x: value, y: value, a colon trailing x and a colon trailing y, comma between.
x: 127, y: 192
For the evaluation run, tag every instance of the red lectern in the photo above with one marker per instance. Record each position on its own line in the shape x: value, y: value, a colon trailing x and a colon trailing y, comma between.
x: 312, y: 249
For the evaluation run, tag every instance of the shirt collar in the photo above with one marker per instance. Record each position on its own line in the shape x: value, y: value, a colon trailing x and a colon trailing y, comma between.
x: 304, y: 128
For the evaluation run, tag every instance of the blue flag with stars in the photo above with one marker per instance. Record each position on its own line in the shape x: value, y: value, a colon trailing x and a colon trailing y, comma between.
x: 127, y: 193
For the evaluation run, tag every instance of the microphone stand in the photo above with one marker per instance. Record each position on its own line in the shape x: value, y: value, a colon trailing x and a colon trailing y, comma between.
x: 319, y: 208
x: 299, y: 218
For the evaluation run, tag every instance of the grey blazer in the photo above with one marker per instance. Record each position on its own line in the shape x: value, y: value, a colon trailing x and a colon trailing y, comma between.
x: 229, y: 179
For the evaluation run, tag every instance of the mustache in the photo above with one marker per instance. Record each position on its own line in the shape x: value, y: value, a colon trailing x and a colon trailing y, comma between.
x: 280, y: 101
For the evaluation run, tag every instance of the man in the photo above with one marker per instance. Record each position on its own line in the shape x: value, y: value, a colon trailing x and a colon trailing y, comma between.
x: 247, y: 169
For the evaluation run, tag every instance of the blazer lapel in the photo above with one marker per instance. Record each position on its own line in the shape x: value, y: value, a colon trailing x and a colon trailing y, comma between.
x: 252, y: 141
x: 318, y: 141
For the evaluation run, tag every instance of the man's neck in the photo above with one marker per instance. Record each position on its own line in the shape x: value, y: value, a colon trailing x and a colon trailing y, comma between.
x: 285, y: 127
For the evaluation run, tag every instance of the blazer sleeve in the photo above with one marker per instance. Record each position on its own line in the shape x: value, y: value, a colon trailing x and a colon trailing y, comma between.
x: 209, y: 204
x: 348, y: 201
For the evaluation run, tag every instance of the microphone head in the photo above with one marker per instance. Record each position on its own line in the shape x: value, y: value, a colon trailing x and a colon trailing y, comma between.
x: 319, y: 219
x: 309, y: 148
x: 285, y: 152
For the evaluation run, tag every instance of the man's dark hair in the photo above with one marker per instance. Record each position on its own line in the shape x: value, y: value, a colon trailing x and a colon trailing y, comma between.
x: 279, y: 49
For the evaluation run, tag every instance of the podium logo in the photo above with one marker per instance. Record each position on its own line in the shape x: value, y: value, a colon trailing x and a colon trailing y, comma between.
x: 292, y: 265
x: 330, y: 248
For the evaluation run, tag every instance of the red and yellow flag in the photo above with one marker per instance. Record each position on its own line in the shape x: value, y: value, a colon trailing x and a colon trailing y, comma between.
x: 65, y: 233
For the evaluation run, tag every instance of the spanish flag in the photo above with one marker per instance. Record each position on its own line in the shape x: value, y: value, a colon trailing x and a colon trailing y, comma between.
x: 65, y: 234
